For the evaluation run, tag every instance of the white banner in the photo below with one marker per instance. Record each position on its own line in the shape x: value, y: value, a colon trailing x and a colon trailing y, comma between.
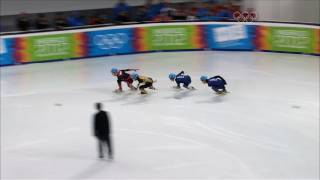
x: 230, y: 33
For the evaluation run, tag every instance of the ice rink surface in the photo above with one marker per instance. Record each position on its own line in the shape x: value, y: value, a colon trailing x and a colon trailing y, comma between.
x: 266, y: 127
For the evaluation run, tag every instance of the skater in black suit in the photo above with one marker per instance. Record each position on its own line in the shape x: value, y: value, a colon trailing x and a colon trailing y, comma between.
x: 102, y: 131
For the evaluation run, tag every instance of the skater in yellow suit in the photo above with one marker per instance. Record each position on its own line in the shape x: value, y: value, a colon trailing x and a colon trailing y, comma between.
x: 144, y: 82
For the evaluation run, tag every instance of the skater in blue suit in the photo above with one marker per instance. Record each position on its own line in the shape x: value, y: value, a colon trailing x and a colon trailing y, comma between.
x: 217, y: 83
x: 181, y: 78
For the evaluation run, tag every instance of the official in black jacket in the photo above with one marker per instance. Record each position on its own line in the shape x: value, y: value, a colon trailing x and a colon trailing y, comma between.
x: 102, y: 131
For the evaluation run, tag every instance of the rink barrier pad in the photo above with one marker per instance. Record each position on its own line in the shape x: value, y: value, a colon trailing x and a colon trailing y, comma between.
x: 72, y: 44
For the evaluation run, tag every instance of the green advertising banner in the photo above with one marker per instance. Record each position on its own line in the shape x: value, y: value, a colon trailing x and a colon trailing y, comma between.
x: 51, y: 47
x: 291, y: 39
x: 169, y: 37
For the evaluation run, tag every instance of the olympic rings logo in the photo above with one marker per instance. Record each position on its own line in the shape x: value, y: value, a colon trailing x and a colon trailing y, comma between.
x: 111, y: 41
x: 245, y: 16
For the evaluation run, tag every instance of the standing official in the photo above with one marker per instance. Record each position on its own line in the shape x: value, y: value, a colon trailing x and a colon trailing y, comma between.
x: 102, y: 131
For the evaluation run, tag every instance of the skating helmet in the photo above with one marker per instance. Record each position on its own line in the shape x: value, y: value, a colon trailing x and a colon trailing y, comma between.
x: 203, y: 78
x: 114, y: 70
x: 172, y: 76
x: 134, y: 76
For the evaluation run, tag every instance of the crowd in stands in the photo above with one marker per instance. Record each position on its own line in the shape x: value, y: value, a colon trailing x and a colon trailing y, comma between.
x: 151, y: 11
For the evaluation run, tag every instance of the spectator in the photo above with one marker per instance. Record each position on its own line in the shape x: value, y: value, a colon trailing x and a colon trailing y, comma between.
x: 161, y: 4
x: 60, y: 21
x: 202, y: 12
x: 96, y: 19
x: 225, y: 14
x: 162, y: 17
x: 213, y: 13
x: 123, y: 17
x: 154, y: 9
x: 180, y: 13
x: 121, y: 11
x: 102, y: 131
x: 104, y: 18
x: 42, y: 22
x: 142, y: 14
x: 191, y: 15
x: 23, y: 22
x: 166, y: 7
x: 145, y: 12
x: 76, y: 20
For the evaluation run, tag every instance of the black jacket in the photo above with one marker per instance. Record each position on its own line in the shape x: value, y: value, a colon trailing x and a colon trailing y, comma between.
x: 101, y: 124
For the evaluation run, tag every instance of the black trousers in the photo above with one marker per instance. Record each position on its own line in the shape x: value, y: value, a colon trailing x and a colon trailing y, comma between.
x: 147, y: 85
x: 103, y: 143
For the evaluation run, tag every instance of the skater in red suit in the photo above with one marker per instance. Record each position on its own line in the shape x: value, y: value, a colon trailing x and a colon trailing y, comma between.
x: 122, y: 75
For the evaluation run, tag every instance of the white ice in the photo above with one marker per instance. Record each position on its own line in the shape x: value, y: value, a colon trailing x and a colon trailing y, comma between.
x: 266, y: 127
